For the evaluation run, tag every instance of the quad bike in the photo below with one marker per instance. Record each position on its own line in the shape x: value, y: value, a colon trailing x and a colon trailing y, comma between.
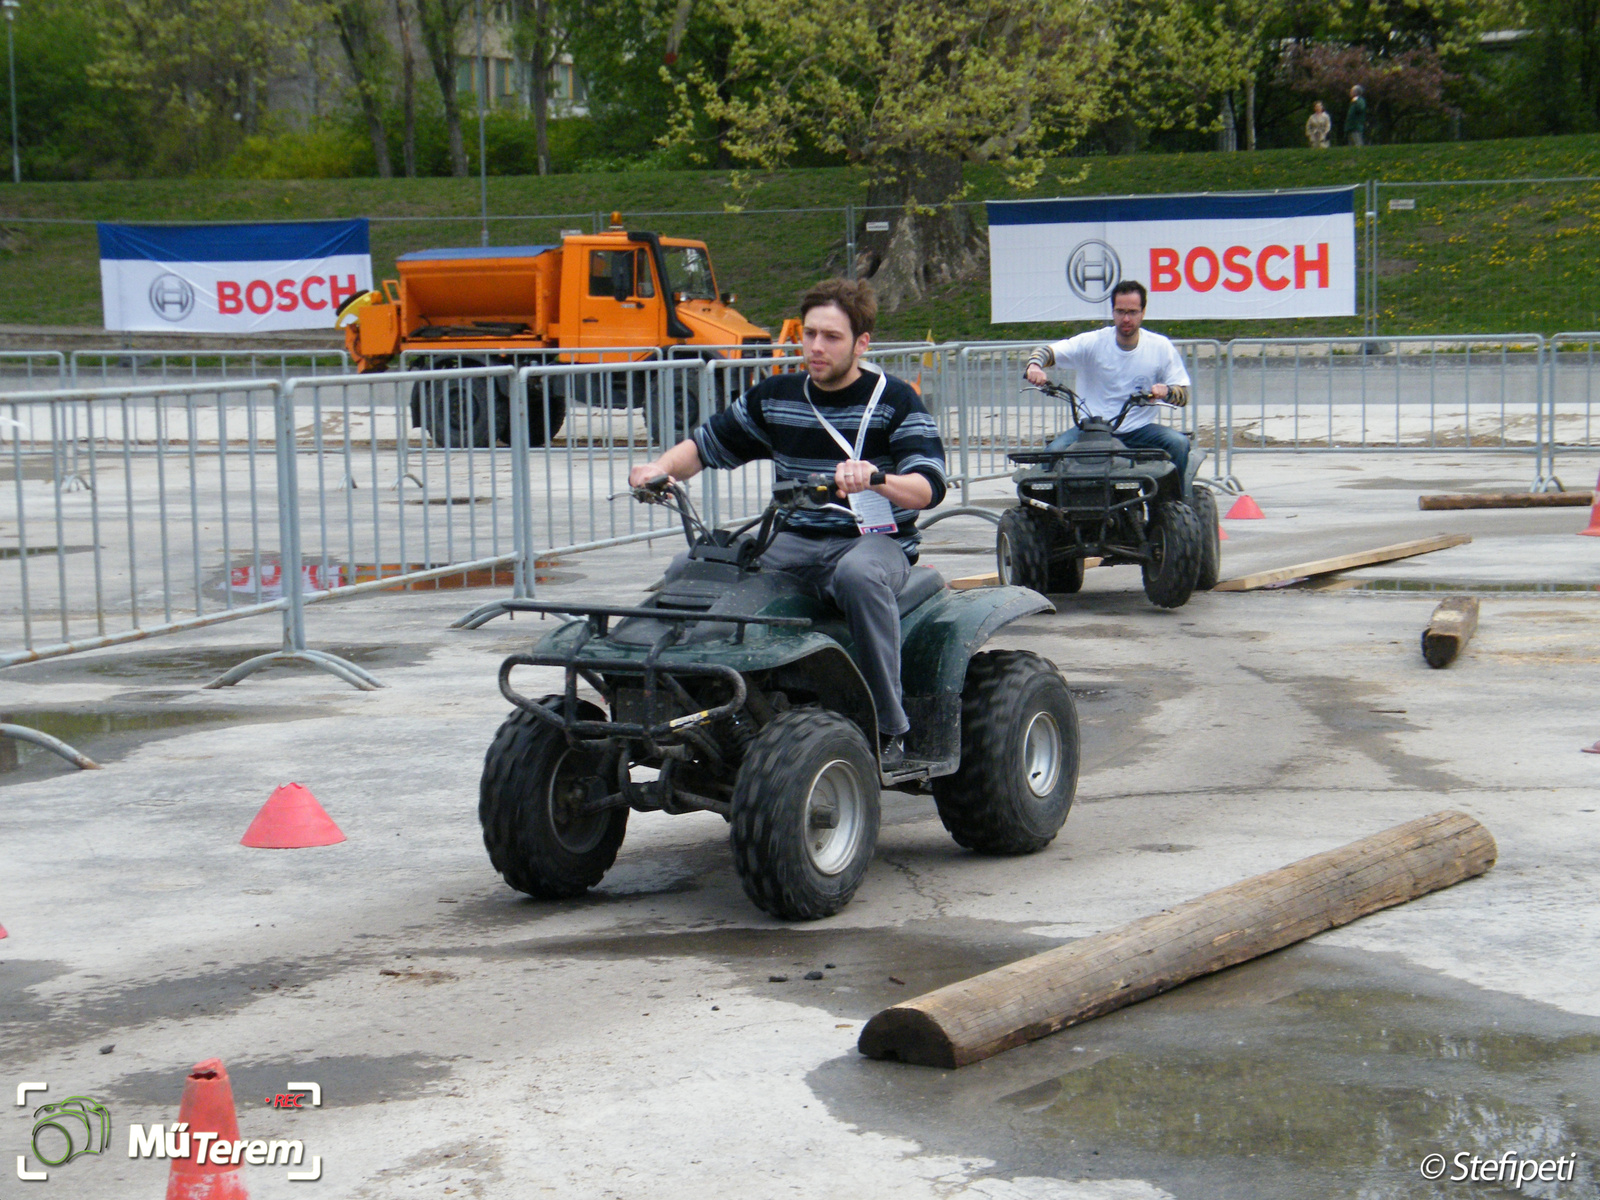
x: 1102, y: 498
x: 738, y: 688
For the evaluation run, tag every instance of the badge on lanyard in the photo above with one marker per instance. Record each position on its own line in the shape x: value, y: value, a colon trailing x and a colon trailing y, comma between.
x: 872, y: 510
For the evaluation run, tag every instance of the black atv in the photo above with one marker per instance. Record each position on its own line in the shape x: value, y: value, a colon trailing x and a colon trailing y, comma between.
x: 737, y: 686
x: 1101, y: 498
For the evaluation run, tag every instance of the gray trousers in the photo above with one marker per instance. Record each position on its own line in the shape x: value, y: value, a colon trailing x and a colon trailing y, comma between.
x: 862, y: 576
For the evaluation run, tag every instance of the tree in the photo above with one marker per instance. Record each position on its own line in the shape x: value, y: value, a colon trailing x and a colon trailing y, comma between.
x: 912, y: 91
x: 1570, y: 33
x: 408, y: 89
x: 367, y: 51
x: 539, y: 38
x: 200, y: 67
x: 441, y: 22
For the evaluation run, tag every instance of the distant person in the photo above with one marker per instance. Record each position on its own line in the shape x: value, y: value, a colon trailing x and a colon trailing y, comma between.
x: 1355, y: 117
x: 1113, y: 363
x: 1318, y: 126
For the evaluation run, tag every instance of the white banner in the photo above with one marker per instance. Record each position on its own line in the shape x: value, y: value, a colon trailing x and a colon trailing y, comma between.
x: 1247, y: 256
x: 231, y: 278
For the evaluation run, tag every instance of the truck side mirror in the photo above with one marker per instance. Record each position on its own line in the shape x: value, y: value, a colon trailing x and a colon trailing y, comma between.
x: 729, y: 298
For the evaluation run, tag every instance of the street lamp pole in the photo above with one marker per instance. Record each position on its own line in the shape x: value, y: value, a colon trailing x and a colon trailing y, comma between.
x: 11, y: 7
x: 483, y: 157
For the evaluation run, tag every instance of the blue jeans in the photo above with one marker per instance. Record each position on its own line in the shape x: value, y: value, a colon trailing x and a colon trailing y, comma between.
x: 1145, y: 437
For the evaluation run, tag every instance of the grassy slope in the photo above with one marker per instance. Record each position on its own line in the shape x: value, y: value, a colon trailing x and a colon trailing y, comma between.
x: 1469, y: 259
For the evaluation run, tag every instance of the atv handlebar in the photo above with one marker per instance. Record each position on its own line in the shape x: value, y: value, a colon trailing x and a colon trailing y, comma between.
x: 1080, y: 408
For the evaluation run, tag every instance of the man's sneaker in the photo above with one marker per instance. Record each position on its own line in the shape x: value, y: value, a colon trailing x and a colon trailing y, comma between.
x: 891, y: 750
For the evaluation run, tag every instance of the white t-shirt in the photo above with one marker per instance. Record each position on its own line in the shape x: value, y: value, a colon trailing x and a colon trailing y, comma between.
x: 1107, y: 374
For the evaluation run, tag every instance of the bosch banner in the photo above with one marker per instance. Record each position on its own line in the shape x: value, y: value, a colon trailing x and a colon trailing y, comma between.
x: 1242, y: 256
x: 231, y: 278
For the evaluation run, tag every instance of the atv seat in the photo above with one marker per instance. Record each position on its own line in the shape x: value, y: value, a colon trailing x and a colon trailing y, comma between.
x: 921, y: 584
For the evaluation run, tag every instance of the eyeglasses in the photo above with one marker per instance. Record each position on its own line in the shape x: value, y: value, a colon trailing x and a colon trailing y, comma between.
x: 1126, y: 312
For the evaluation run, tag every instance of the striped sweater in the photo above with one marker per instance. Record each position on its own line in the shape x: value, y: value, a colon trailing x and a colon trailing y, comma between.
x: 773, y: 420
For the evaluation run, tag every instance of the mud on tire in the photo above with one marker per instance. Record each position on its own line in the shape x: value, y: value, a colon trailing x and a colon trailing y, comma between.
x: 531, y: 777
x: 1174, y: 535
x: 1019, y: 756
x: 805, y: 815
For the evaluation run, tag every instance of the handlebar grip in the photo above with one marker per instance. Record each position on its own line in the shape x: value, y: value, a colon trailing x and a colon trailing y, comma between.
x: 877, y: 478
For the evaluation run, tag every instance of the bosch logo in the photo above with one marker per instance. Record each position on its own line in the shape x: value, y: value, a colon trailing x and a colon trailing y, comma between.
x: 172, y: 297
x: 1093, y: 269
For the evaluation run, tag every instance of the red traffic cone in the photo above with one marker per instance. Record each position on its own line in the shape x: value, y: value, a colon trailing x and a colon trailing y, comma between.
x: 208, y: 1108
x: 291, y: 819
x: 1222, y: 534
x: 1594, y: 749
x: 3, y: 932
x: 1245, y: 509
x: 1594, y: 515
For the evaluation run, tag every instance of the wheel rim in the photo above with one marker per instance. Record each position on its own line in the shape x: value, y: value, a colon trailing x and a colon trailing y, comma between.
x: 835, y: 817
x: 577, y: 832
x: 1041, y: 754
x: 1004, y: 556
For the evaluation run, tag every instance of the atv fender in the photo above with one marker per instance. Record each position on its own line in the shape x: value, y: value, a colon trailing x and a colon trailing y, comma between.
x: 937, y: 640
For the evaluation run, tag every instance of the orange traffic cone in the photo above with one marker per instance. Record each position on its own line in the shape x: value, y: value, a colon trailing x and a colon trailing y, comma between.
x: 1245, y: 509
x: 290, y: 820
x: 1594, y: 515
x: 208, y: 1108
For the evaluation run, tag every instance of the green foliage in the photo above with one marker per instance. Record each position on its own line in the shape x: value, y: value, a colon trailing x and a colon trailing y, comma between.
x: 329, y: 153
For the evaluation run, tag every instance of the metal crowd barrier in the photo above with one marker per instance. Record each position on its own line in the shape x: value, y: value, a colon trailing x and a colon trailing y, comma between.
x: 179, y: 496
x: 30, y: 370
x: 101, y: 368
x: 1571, y: 393
x: 1405, y: 394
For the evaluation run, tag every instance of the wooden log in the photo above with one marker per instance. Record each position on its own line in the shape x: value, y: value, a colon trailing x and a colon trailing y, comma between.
x: 1449, y: 630
x: 1345, y: 562
x: 979, y: 1017
x: 1455, y: 500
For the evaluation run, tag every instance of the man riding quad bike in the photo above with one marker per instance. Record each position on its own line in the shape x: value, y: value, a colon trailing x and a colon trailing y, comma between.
x: 1099, y: 497
x: 740, y: 687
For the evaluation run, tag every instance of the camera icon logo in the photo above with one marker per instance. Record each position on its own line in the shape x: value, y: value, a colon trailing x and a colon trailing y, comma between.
x: 69, y: 1128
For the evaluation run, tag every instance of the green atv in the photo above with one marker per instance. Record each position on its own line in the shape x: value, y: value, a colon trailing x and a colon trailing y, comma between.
x: 738, y: 686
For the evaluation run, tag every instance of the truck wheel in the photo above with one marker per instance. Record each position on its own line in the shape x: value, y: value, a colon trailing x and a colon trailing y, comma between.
x: 531, y: 780
x: 1174, y: 562
x: 673, y: 412
x: 541, y: 399
x: 805, y: 815
x: 1019, y: 756
x: 1205, y: 511
x: 1022, y: 550
x: 456, y: 413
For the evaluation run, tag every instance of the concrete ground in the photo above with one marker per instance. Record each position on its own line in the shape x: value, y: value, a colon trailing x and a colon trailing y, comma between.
x: 469, y: 1041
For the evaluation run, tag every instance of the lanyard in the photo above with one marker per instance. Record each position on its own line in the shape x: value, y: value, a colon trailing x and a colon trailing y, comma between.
x: 866, y: 417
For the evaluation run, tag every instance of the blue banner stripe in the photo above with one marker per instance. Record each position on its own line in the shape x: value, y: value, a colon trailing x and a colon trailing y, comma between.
x: 286, y: 241
x: 1194, y: 206
x: 476, y: 252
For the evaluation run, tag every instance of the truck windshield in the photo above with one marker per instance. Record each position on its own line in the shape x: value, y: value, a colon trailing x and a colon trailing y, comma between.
x: 689, y: 273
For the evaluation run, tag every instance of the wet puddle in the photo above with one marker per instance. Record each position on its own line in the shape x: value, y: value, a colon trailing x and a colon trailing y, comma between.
x: 1431, y: 585
x: 80, y: 729
x: 1315, y: 1073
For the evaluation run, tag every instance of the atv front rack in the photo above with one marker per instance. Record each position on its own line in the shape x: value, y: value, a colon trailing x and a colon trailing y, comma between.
x: 676, y: 729
x: 1034, y: 457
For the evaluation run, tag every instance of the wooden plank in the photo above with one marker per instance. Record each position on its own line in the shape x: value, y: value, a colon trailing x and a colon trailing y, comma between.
x: 1449, y: 629
x: 1026, y: 1000
x: 992, y: 579
x: 1345, y: 562
x: 1455, y: 500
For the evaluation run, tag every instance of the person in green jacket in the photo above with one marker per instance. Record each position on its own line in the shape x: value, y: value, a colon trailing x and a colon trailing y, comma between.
x: 1355, y: 117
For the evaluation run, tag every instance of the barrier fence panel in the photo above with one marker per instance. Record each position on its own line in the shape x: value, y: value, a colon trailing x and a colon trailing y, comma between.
x: 176, y: 523
x: 1571, y: 395
x: 1400, y: 394
x: 396, y: 480
x: 102, y: 368
x: 32, y: 370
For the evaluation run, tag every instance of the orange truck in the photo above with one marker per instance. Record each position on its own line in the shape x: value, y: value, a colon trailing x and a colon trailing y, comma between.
x: 639, y: 295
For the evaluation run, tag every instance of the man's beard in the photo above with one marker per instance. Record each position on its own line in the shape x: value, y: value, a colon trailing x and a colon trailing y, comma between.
x: 835, y: 374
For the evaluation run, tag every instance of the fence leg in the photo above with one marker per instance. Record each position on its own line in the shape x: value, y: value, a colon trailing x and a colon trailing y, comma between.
x: 23, y: 734
x: 294, y: 614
